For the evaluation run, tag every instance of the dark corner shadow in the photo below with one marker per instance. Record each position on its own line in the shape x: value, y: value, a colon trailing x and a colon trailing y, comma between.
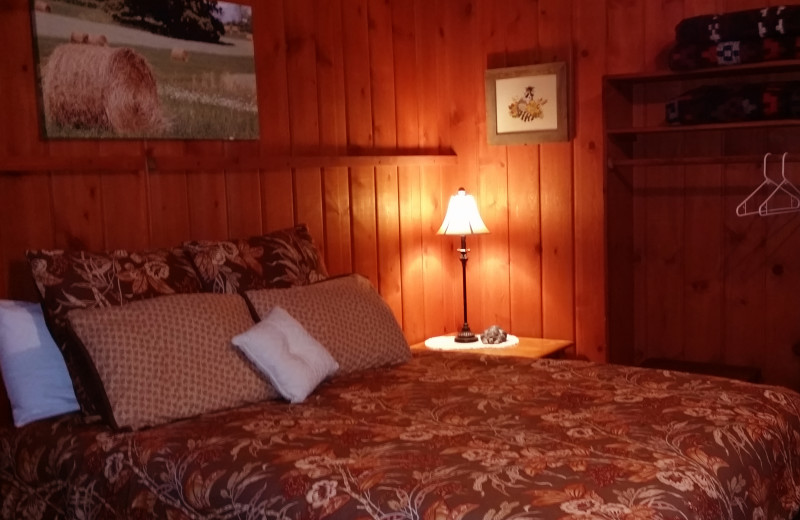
x: 20, y: 282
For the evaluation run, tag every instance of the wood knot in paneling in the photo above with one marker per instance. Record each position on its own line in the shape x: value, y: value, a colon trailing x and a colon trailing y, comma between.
x: 468, y: 10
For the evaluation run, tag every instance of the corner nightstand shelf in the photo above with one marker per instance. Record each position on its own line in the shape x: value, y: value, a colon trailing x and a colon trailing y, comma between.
x: 533, y: 348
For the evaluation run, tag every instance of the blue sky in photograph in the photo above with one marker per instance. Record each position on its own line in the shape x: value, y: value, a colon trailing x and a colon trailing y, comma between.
x: 230, y: 11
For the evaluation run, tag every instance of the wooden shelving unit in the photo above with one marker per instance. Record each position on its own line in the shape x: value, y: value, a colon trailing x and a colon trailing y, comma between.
x: 657, y: 175
x: 634, y: 115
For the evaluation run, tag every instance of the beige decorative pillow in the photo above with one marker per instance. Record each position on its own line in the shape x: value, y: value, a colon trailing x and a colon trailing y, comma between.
x: 69, y: 280
x: 346, y: 315
x: 170, y: 357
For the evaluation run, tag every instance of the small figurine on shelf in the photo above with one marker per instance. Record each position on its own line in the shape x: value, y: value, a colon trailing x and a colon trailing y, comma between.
x: 494, y: 335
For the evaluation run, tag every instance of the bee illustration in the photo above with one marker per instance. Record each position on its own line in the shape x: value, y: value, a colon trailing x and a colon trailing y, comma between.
x: 527, y: 107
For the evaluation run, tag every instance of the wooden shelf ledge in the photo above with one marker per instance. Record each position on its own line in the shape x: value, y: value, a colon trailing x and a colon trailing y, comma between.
x: 633, y: 131
x: 205, y: 163
x: 767, y: 67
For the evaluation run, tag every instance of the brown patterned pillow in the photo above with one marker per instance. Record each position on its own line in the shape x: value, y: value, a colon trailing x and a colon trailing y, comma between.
x: 346, y: 315
x: 282, y: 258
x: 168, y: 358
x: 69, y: 280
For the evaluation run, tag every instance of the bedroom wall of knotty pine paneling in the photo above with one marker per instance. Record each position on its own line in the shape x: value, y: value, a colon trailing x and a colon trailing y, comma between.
x: 703, y: 284
x: 375, y: 76
x: 370, y: 77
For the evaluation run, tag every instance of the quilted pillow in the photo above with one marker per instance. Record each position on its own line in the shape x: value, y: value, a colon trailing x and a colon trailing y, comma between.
x: 346, y: 315
x: 282, y: 258
x: 168, y: 358
x: 69, y: 280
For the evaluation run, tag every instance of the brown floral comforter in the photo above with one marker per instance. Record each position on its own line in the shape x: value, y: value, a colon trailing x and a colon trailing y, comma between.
x: 446, y: 436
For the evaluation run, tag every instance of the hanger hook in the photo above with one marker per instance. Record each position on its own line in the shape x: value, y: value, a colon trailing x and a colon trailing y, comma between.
x: 764, y: 170
x: 783, y: 165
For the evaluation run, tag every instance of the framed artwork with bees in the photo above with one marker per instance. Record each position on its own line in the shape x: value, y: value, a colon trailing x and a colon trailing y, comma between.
x: 528, y: 104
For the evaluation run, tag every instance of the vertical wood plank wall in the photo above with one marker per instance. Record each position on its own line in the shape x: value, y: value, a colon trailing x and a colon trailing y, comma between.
x: 382, y: 76
x: 358, y: 77
x: 697, y: 282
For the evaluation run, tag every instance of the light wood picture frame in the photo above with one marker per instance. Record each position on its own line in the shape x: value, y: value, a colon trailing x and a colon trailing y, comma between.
x: 528, y: 104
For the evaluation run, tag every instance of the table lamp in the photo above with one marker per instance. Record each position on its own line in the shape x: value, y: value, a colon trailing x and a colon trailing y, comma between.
x: 463, y: 219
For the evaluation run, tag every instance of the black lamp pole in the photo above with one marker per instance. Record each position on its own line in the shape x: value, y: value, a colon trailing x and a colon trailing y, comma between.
x: 465, y: 335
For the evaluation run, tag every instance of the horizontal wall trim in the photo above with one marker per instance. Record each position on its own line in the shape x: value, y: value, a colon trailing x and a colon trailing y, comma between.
x: 16, y: 165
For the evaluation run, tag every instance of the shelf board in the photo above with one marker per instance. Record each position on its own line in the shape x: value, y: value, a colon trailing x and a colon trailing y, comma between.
x: 664, y: 129
x: 767, y: 67
x: 204, y: 163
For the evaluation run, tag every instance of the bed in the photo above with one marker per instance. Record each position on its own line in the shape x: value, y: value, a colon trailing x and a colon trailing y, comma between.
x: 384, y: 434
x: 442, y: 436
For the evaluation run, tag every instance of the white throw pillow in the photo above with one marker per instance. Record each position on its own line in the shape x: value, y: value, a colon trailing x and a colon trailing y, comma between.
x: 34, y: 372
x: 282, y: 350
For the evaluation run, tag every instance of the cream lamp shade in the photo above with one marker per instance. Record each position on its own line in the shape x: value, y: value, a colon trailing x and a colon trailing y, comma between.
x: 462, y: 216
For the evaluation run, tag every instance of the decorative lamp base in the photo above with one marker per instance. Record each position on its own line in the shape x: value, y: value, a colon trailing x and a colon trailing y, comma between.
x: 465, y: 336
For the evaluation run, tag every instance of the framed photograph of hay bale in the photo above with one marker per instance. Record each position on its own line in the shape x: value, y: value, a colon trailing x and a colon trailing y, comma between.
x: 527, y: 104
x: 123, y: 69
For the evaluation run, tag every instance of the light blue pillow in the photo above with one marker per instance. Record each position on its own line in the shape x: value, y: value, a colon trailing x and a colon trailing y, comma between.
x: 36, y: 378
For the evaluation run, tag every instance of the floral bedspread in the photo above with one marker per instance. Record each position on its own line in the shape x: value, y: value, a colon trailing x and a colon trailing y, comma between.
x: 446, y: 436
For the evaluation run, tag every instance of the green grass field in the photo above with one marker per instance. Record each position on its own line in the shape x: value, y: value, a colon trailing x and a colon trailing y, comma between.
x: 205, y: 76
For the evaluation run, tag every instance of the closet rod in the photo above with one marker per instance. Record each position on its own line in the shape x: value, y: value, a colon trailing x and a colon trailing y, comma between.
x: 689, y: 161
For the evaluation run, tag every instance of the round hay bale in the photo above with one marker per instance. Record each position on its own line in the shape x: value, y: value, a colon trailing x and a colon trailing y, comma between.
x: 78, y: 37
x: 86, y: 86
x: 179, y: 54
x: 97, y: 39
x: 41, y: 6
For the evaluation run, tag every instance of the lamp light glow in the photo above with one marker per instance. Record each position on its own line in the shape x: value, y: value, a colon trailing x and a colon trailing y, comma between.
x: 462, y: 217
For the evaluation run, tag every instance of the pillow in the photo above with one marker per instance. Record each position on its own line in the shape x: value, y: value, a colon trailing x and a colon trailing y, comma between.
x: 283, y: 351
x: 69, y: 280
x: 36, y: 378
x: 345, y: 314
x: 168, y: 358
x: 282, y: 258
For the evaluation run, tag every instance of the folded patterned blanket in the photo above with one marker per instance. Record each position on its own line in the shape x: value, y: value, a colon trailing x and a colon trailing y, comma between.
x: 768, y: 22
x: 730, y: 103
x: 691, y: 56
